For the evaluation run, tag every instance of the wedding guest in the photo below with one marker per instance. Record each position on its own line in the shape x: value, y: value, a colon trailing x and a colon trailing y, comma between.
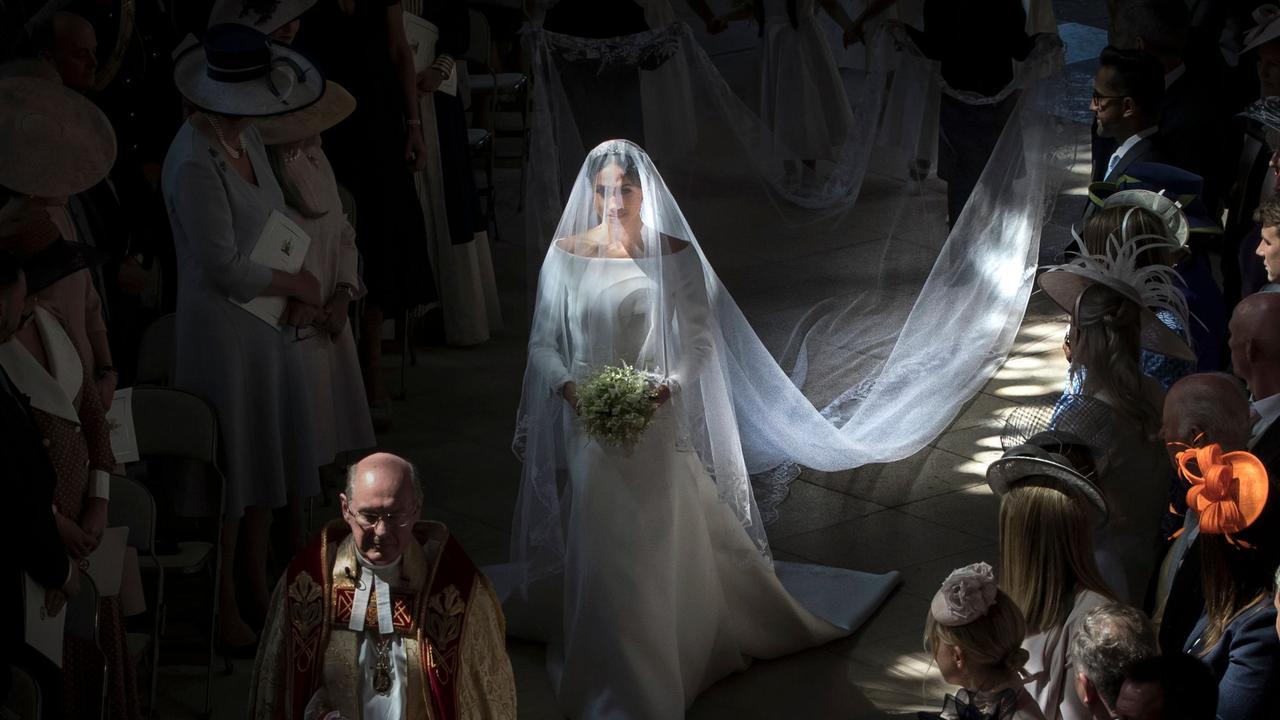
x: 70, y: 44
x: 974, y: 632
x: 1048, y: 509
x: 975, y: 44
x: 1255, y: 356
x: 1210, y: 408
x: 116, y: 215
x: 1185, y: 224
x: 1127, y: 94
x: 362, y: 45
x: 1167, y: 687
x: 59, y: 144
x: 340, y: 416
x: 1143, y: 228
x: 441, y: 652
x: 220, y: 192
x: 42, y: 363
x: 1195, y: 115
x: 1254, y: 187
x: 1108, y: 298
x: 1239, y: 511
x: 35, y: 527
x: 1268, y: 218
x: 456, y: 227
x: 1110, y: 639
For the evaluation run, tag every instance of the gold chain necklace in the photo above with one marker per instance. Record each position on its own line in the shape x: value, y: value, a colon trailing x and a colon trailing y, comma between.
x: 235, y: 153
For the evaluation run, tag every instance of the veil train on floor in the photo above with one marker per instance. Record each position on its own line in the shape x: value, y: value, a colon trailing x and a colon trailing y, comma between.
x: 858, y: 325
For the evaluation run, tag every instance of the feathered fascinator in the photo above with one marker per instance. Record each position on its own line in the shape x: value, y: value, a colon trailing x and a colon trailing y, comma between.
x: 966, y: 595
x: 1228, y: 489
x: 1151, y: 287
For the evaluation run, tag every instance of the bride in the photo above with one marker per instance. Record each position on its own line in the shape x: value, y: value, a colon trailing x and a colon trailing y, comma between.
x: 647, y: 571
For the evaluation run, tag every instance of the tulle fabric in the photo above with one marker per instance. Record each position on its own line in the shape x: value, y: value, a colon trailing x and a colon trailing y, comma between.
x: 860, y: 326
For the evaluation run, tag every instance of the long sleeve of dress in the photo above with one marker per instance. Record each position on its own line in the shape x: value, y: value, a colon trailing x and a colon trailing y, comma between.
x: 692, y: 318
x: 201, y: 206
x: 546, y: 342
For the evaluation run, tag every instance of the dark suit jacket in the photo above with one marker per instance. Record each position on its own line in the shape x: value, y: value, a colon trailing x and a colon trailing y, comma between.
x: 1246, y: 662
x: 1150, y: 149
x: 28, y: 486
x: 1195, y: 127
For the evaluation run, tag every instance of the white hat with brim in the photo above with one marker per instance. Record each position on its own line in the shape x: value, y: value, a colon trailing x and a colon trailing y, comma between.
x: 239, y: 71
x: 1267, y: 29
x: 1033, y: 465
x: 1065, y: 284
x: 334, y: 107
x: 54, y: 142
x: 266, y: 20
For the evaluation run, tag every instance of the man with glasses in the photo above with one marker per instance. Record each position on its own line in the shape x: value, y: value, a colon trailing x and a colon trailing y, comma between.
x: 383, y: 616
x: 1127, y: 92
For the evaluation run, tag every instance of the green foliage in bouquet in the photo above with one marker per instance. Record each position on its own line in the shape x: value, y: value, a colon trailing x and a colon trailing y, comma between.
x: 616, y: 405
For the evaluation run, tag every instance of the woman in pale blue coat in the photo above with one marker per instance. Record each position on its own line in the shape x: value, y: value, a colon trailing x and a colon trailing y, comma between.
x: 219, y: 191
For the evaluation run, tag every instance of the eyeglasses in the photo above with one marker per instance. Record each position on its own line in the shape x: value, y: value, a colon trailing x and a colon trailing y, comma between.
x: 1096, y: 99
x: 369, y: 520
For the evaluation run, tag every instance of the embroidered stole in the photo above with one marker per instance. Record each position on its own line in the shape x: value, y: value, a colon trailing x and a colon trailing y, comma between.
x: 433, y: 619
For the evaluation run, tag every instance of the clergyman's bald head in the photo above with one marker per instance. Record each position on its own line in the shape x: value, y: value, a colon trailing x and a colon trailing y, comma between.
x: 383, y: 466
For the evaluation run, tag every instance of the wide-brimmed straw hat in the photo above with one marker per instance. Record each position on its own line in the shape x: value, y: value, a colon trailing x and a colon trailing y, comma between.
x: 329, y: 110
x: 53, y: 141
x: 240, y: 71
x: 265, y: 16
x: 1034, y: 463
x: 1064, y: 284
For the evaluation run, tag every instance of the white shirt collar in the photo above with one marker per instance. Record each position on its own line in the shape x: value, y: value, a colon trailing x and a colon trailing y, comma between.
x: 1268, y: 409
x: 1172, y: 76
x: 1128, y: 144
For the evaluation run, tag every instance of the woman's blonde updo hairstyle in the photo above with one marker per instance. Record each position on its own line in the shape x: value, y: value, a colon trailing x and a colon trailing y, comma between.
x: 992, y: 643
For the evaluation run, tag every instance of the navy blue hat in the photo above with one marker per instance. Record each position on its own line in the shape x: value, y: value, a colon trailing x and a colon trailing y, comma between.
x: 241, y: 71
x: 1183, y: 187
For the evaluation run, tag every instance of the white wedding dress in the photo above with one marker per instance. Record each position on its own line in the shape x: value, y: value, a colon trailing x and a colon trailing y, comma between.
x: 647, y: 571
x: 663, y: 592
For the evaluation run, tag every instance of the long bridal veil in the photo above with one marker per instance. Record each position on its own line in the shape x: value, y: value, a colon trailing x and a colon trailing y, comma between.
x: 849, y: 325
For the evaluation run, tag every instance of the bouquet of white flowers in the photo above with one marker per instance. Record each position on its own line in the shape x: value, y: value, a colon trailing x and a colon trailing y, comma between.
x: 616, y: 405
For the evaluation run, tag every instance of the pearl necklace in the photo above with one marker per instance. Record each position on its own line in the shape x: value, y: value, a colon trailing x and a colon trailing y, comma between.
x: 235, y: 153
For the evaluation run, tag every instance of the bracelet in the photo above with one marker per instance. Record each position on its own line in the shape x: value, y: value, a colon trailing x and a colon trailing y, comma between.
x: 348, y: 288
x: 413, y: 123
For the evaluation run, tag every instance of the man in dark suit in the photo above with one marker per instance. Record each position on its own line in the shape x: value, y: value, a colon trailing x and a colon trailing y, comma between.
x: 1195, y: 116
x: 1128, y: 91
x: 30, y: 529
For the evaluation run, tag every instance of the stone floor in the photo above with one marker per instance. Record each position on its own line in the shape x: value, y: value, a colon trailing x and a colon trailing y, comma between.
x: 923, y: 515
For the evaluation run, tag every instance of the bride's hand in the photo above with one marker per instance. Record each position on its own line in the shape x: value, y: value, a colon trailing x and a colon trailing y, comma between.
x: 661, y: 394
x: 570, y: 393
